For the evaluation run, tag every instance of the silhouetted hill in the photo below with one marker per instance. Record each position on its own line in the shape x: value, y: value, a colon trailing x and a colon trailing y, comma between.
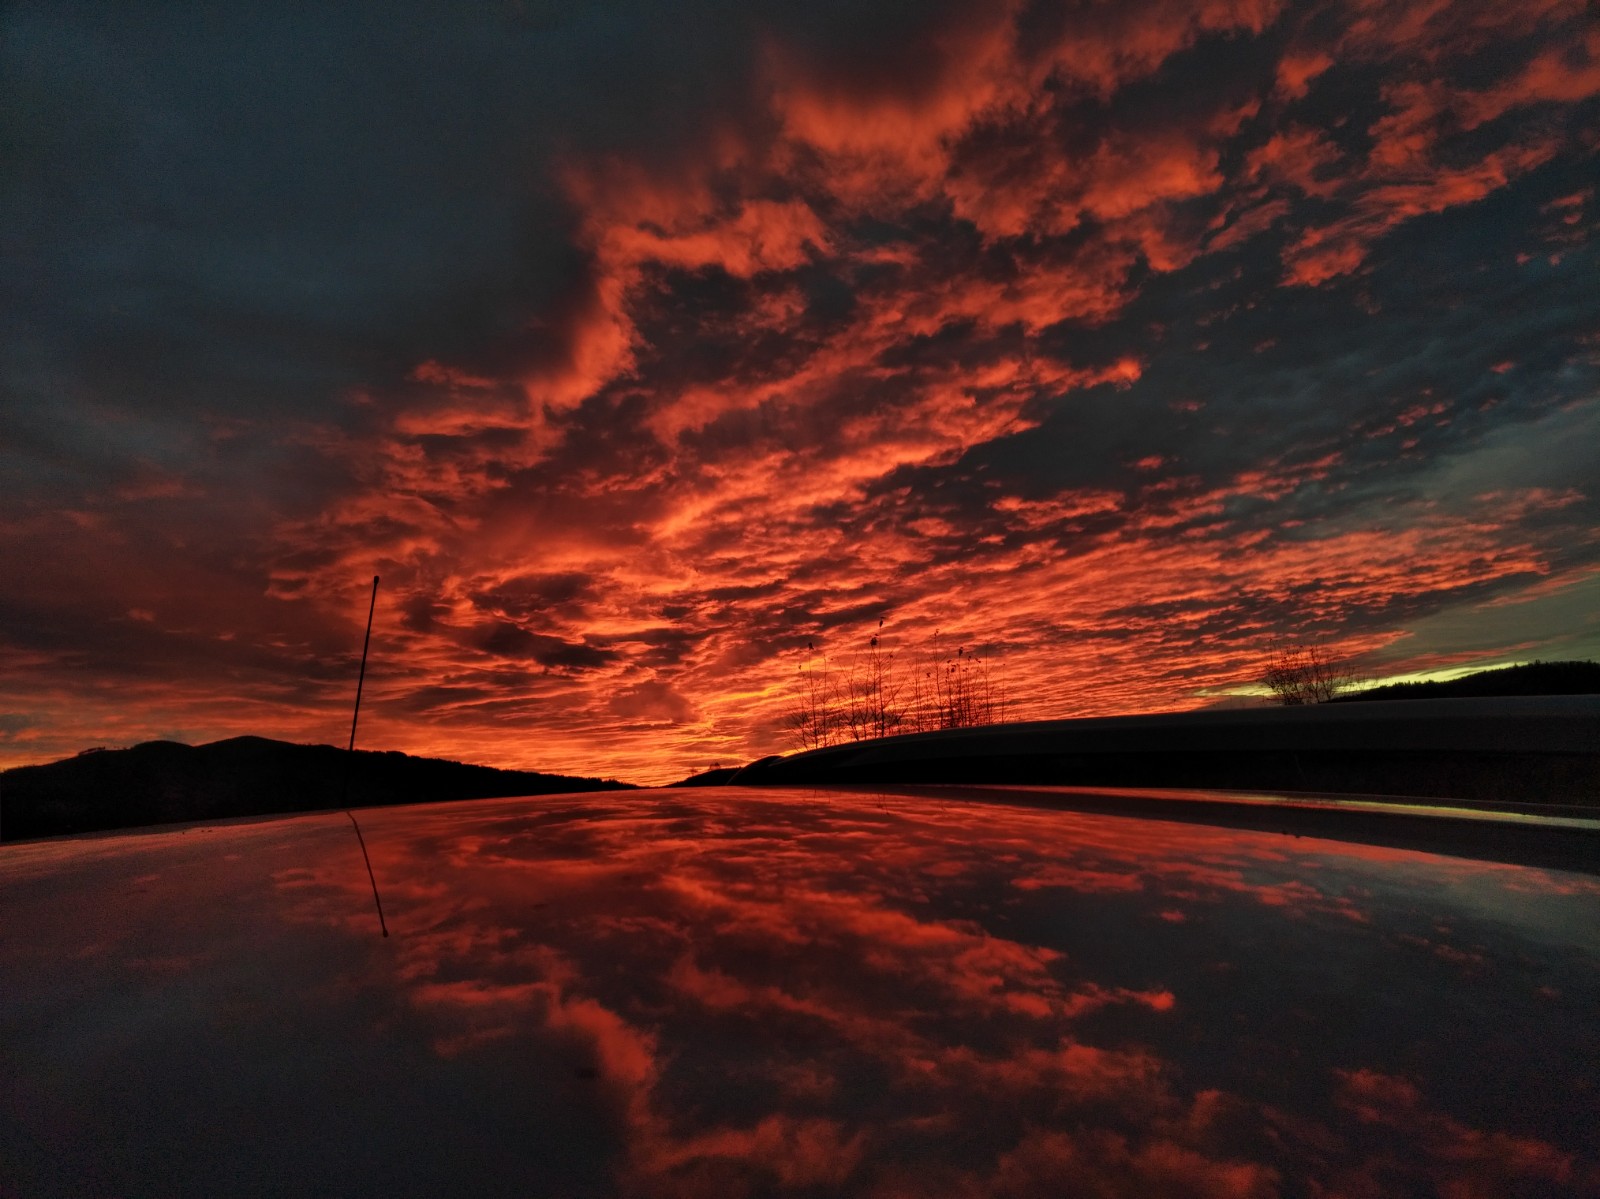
x: 1500, y: 750
x: 162, y: 782
x: 1531, y: 678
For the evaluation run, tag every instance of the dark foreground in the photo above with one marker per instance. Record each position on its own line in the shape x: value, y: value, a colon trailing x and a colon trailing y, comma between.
x: 750, y: 992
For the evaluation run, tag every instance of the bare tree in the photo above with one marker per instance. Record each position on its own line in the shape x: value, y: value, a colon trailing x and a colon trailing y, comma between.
x: 815, y: 720
x: 968, y: 695
x: 1305, y: 674
x: 881, y: 695
x: 873, y: 699
x: 952, y: 691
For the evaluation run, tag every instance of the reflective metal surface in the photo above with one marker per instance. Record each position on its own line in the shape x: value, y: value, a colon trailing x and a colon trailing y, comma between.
x: 745, y: 992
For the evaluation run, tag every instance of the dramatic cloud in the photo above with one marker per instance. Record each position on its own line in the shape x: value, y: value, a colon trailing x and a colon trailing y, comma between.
x: 652, y: 356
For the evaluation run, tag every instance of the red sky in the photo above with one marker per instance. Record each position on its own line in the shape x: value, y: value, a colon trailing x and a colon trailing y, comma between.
x: 650, y: 357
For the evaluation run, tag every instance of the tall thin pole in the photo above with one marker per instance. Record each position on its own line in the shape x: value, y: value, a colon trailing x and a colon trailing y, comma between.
x: 362, y: 678
x: 355, y: 716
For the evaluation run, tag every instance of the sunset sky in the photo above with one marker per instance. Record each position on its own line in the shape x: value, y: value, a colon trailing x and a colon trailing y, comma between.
x: 650, y: 352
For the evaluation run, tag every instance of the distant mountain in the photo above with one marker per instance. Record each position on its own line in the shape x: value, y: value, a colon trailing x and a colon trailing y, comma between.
x: 163, y: 782
x: 1531, y: 678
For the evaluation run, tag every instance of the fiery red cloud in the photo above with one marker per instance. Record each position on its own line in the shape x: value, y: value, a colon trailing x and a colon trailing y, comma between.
x: 1113, y: 342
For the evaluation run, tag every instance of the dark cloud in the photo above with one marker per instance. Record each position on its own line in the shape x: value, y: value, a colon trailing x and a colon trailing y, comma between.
x: 652, y: 702
x: 511, y: 641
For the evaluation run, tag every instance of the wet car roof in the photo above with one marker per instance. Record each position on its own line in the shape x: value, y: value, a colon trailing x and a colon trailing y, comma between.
x: 766, y: 991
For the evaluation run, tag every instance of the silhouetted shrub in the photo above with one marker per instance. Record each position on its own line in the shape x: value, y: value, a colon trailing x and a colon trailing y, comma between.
x: 1305, y: 674
x: 881, y: 694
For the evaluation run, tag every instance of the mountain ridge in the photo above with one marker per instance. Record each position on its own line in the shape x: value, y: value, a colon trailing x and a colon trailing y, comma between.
x: 167, y: 782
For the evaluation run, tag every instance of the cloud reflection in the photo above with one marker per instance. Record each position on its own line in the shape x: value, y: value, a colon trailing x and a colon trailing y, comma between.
x: 741, y: 993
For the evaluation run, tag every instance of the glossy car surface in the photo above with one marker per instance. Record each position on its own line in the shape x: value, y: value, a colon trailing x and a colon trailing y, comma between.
x: 763, y: 991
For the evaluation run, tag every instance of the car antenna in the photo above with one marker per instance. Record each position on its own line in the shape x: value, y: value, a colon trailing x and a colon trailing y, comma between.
x: 350, y: 757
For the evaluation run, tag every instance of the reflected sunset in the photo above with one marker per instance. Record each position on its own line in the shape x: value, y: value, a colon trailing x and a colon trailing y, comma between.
x: 743, y: 992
